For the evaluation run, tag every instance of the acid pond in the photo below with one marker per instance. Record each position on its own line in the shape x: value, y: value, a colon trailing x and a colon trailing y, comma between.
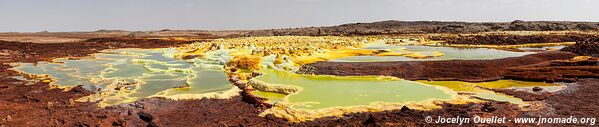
x: 315, y: 96
x: 125, y: 75
x: 324, y: 91
x: 320, y: 91
x: 430, y: 53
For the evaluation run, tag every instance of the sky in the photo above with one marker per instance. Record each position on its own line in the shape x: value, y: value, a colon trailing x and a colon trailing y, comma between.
x: 91, y: 15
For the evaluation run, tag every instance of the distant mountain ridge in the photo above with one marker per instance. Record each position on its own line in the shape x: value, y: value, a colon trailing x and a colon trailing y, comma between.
x: 373, y: 28
x: 417, y: 27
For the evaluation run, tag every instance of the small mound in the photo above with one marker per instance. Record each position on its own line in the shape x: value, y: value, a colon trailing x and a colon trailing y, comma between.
x: 247, y: 62
x: 587, y: 48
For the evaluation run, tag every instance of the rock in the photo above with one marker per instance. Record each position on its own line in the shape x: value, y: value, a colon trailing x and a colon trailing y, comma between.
x: 71, y: 103
x: 270, y: 87
x: 240, y: 85
x: 488, y: 107
x: 370, y: 120
x: 256, y: 74
x: 80, y: 89
x: 589, y: 47
x: 182, y: 86
x: 405, y: 108
x: 145, y: 116
x: 536, y: 89
x: 233, y: 79
x: 82, y: 124
x: 7, y: 119
x: 270, y: 117
x: 187, y: 57
x: 50, y: 105
x: 373, y: 119
x: 119, y: 123
x: 152, y: 124
x: 122, y: 84
x: 247, y: 97
x: 517, y: 22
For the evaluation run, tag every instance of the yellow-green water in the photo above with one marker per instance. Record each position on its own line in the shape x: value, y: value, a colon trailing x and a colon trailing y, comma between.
x: 330, y: 91
x: 323, y: 91
x: 466, y: 87
x: 450, y: 53
x: 125, y: 75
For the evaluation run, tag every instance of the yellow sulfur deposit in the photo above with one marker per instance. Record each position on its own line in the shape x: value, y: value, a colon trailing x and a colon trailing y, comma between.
x: 247, y: 62
x: 276, y: 88
x: 300, y: 49
x: 420, y: 56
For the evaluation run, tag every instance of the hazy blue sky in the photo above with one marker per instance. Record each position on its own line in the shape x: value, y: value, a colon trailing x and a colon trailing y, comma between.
x: 89, y: 15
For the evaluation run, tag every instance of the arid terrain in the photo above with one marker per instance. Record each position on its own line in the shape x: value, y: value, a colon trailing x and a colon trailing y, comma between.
x: 31, y: 102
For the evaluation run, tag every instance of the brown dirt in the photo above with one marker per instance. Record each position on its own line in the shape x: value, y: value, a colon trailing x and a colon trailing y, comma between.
x: 556, y: 71
x: 462, y: 70
x: 562, y: 70
x: 407, y: 117
x: 39, y: 105
x: 203, y: 112
x: 578, y: 99
x: 33, y: 52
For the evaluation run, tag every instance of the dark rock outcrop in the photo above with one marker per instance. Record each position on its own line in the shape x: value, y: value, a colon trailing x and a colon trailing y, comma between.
x: 587, y: 48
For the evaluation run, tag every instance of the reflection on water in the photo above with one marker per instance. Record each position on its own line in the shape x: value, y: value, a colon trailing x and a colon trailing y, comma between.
x: 125, y: 75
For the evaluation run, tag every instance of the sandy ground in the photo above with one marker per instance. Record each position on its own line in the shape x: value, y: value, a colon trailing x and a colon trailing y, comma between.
x: 41, y: 39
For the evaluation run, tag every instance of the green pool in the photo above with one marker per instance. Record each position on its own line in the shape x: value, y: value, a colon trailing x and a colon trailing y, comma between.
x: 125, y: 75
